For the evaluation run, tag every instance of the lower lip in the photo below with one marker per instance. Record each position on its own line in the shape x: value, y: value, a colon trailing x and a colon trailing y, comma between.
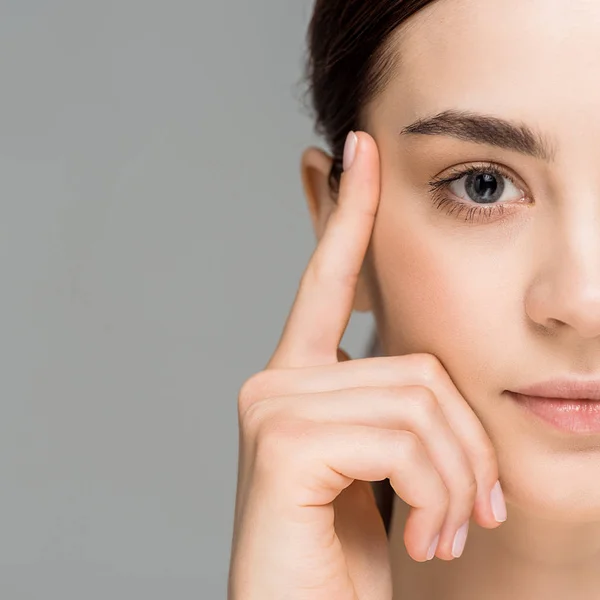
x: 572, y: 416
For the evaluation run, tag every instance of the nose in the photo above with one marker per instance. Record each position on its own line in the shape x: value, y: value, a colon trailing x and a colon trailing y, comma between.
x: 566, y: 289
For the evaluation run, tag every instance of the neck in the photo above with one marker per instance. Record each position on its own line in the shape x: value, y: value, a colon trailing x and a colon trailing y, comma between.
x: 525, y: 557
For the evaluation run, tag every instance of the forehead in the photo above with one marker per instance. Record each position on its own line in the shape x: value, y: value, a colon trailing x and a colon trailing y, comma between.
x: 535, y: 60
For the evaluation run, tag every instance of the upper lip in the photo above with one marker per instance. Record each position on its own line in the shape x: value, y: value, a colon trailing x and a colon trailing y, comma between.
x: 564, y: 388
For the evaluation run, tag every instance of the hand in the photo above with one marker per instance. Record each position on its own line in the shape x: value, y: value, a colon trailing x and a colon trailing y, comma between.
x: 315, y: 430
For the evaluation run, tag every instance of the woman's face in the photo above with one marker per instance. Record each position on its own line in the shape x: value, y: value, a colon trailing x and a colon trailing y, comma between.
x: 514, y: 298
x: 510, y: 295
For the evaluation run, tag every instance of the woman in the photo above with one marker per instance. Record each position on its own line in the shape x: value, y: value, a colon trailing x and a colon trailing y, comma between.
x: 460, y: 204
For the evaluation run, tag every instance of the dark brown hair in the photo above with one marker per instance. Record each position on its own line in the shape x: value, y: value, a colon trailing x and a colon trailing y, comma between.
x: 348, y: 63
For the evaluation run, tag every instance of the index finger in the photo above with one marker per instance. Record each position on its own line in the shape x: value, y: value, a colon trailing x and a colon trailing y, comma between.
x: 323, y: 303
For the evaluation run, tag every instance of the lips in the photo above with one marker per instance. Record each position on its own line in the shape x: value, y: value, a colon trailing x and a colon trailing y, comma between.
x: 563, y: 389
x: 573, y: 416
x: 568, y: 404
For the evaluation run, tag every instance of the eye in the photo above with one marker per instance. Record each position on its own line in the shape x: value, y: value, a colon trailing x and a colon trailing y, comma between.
x: 483, y: 191
x: 484, y: 187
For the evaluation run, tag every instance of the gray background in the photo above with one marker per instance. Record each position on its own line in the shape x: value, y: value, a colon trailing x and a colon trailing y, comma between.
x: 153, y: 233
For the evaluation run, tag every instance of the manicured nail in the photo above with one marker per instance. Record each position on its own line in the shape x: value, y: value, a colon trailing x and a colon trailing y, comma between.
x: 433, y: 547
x: 350, y: 150
x: 459, y: 540
x: 498, y: 504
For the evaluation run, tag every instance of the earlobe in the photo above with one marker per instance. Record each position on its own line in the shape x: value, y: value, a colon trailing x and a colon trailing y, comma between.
x: 315, y: 169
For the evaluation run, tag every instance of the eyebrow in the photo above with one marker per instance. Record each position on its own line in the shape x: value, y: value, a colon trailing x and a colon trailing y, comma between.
x: 485, y: 129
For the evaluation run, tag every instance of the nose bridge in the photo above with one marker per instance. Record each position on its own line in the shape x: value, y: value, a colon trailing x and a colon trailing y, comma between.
x: 568, y: 287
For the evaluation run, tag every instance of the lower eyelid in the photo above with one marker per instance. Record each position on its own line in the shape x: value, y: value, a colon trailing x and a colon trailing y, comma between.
x: 475, y: 212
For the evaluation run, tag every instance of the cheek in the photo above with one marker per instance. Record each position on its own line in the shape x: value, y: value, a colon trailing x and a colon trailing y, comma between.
x: 441, y: 293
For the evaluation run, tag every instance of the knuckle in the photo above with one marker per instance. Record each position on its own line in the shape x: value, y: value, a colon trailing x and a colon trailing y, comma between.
x: 469, y: 488
x: 430, y: 367
x: 425, y: 401
x: 407, y: 444
x: 252, y: 418
x: 439, y: 500
x: 443, y: 500
x: 253, y: 389
x: 463, y: 489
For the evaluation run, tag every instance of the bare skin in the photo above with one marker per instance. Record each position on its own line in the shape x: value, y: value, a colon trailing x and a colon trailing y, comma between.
x: 465, y: 310
x: 315, y: 428
x: 503, y: 301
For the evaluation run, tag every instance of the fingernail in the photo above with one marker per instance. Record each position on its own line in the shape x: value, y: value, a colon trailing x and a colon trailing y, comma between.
x: 433, y: 547
x: 350, y: 150
x: 459, y: 540
x: 498, y: 503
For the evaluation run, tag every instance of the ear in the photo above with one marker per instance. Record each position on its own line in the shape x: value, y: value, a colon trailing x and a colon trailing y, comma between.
x: 315, y: 168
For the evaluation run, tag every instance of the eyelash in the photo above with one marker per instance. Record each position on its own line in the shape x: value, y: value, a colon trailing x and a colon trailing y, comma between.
x: 483, y: 213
